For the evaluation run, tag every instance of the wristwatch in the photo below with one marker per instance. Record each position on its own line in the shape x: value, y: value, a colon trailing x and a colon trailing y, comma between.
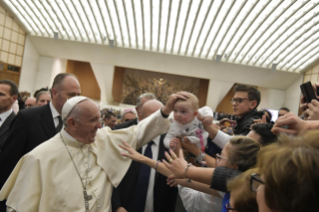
x: 199, y: 158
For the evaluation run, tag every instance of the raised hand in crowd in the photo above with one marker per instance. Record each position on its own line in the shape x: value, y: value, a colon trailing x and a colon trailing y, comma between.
x: 173, y: 143
x: 192, y: 148
x: 305, y: 105
x: 259, y: 121
x: 294, y: 123
x: 312, y: 112
x: 177, y: 166
x: 207, y: 120
x: 227, y: 123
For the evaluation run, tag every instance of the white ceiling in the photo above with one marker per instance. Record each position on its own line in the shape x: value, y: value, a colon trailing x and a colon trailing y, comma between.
x: 281, y: 35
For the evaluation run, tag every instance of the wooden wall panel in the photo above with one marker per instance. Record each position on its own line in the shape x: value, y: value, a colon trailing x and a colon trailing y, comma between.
x: 202, y: 92
x: 15, y: 77
x: 84, y: 72
x: 225, y: 105
x: 70, y: 66
x: 118, y: 80
x: 142, y: 77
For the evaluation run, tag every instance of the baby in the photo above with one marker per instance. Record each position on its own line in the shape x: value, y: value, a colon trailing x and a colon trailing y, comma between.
x: 187, y: 124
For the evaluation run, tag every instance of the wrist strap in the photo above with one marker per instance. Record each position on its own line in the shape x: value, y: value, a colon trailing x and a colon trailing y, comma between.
x: 156, y: 165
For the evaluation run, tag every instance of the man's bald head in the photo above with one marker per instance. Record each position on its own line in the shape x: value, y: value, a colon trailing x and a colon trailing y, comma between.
x: 150, y: 107
x: 30, y: 102
x: 65, y: 86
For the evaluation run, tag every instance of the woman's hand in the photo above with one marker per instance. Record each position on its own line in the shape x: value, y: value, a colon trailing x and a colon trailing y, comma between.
x: 171, y: 182
x: 190, y: 147
x: 133, y: 154
x: 177, y: 164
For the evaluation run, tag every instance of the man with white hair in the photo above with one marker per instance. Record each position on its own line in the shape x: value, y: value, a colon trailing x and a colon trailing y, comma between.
x: 76, y: 169
x: 139, y: 104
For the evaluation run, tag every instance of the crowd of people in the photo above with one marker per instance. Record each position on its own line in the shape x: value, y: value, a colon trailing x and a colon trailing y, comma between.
x: 111, y: 117
x: 60, y: 152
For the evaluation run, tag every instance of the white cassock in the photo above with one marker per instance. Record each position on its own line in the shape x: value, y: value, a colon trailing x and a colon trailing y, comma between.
x: 45, y: 179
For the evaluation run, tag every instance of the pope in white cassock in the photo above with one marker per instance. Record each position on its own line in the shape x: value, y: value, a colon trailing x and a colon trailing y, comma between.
x: 76, y: 169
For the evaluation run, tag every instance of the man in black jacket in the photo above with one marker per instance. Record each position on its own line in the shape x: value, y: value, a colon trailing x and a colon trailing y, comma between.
x: 35, y: 125
x: 245, y: 101
x: 8, y: 95
x: 159, y: 196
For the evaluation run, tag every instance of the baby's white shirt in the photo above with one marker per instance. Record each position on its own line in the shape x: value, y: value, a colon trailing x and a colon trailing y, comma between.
x: 189, y: 130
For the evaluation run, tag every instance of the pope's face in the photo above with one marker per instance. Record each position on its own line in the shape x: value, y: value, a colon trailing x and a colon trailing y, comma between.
x: 88, y: 123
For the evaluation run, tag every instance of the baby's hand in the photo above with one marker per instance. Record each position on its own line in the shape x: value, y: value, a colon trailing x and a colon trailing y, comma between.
x: 208, y: 120
x: 173, y: 143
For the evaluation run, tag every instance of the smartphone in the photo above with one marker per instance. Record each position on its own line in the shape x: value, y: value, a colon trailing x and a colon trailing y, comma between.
x: 307, y: 91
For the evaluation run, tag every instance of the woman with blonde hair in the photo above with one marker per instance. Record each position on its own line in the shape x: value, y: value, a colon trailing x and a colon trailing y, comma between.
x: 289, y: 175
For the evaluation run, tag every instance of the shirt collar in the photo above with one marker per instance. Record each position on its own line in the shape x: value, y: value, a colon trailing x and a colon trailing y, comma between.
x: 54, y: 112
x: 69, y: 140
x: 5, y: 115
x: 157, y: 140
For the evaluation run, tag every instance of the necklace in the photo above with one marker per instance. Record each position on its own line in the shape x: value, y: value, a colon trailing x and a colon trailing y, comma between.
x: 86, y: 196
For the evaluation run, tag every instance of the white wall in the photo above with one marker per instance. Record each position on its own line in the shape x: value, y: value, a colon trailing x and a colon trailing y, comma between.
x: 104, y: 76
x: 44, y: 72
x: 293, y: 94
x: 103, y: 59
x: 59, y: 66
x: 264, y: 101
x: 164, y: 63
x: 276, y: 99
x: 48, y: 68
x: 271, y: 98
x: 216, y: 92
x: 29, y: 68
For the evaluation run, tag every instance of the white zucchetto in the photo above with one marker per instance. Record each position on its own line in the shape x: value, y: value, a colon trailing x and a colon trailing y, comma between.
x: 70, y: 104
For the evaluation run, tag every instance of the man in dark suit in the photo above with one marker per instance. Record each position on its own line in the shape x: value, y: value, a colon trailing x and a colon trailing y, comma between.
x: 35, y: 125
x: 157, y: 195
x: 8, y: 95
x: 139, y: 104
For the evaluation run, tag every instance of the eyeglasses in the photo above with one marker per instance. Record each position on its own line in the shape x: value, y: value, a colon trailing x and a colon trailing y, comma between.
x: 219, y: 157
x: 255, y: 182
x: 229, y: 208
x: 238, y: 100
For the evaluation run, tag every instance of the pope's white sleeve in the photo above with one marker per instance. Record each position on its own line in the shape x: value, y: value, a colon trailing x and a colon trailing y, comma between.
x: 150, y: 127
x: 206, y: 111
x: 9, y: 209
